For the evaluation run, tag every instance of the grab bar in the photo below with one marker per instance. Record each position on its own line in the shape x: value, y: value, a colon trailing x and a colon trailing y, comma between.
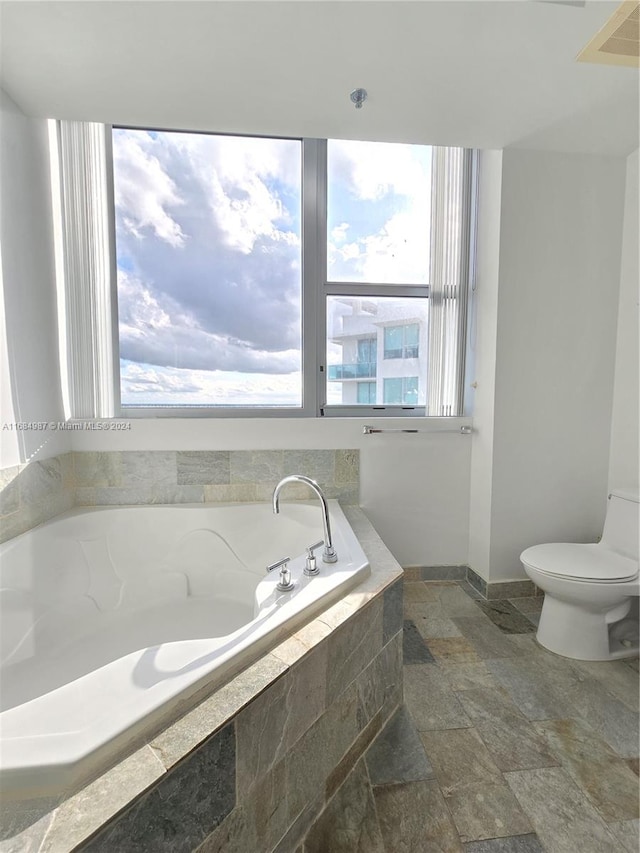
x: 464, y: 430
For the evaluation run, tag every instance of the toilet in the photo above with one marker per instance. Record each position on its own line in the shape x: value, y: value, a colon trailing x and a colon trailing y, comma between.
x: 590, y: 610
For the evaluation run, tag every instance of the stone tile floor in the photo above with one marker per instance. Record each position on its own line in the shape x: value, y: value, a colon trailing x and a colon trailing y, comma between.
x: 501, y: 746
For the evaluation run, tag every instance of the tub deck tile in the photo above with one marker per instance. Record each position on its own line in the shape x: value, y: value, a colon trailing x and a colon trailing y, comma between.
x: 189, y: 731
x: 296, y: 645
x: 78, y: 818
x: 24, y: 825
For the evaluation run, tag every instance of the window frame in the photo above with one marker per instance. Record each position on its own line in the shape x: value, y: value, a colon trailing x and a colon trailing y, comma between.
x: 315, y: 289
x: 309, y: 385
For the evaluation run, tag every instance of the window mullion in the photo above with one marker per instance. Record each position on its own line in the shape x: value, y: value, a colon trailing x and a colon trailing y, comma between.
x: 314, y: 272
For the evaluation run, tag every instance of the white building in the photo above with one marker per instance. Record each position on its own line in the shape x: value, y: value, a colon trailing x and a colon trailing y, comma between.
x: 379, y: 352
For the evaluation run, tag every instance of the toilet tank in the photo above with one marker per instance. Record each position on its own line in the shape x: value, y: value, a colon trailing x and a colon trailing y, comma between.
x: 621, y: 527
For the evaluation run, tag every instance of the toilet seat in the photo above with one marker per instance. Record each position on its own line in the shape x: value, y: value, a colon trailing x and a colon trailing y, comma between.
x: 592, y: 563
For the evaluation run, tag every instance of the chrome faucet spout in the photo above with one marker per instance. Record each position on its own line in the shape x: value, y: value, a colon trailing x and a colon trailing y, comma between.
x: 329, y: 553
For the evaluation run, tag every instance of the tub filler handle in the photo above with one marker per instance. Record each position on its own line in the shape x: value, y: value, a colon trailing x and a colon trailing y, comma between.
x: 311, y: 566
x: 285, y: 583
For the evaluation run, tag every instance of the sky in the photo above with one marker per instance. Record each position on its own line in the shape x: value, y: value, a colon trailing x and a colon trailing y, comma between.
x: 209, y: 256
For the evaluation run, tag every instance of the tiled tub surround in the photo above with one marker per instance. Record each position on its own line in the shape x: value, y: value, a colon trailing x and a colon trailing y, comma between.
x: 191, y: 476
x: 114, y: 615
x: 251, y: 767
x: 37, y: 491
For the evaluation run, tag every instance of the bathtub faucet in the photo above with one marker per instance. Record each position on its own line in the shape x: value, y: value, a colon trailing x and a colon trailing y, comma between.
x: 329, y: 553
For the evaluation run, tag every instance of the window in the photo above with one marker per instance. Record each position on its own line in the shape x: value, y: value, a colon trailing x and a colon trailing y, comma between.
x: 208, y: 249
x: 227, y: 282
x: 401, y: 341
x: 367, y: 350
x: 348, y: 320
x: 366, y: 393
x: 403, y: 390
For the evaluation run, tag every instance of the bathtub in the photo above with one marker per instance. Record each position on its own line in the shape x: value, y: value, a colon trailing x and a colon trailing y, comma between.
x: 112, y: 618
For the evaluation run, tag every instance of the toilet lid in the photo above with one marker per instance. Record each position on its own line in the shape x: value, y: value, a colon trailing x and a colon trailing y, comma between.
x: 583, y: 562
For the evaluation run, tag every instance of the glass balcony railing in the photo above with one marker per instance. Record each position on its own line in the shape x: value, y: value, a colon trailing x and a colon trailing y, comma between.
x: 361, y: 370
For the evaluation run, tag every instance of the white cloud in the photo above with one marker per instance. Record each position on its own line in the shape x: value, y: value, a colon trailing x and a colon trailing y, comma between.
x: 155, y: 330
x: 143, y: 191
x: 398, y: 252
x: 145, y: 384
x: 236, y: 173
x: 227, y: 294
x: 339, y: 233
x: 370, y: 170
x: 388, y: 219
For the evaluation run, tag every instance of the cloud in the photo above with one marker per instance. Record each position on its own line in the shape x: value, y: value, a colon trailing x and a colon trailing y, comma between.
x: 371, y: 170
x: 339, y: 232
x: 209, y: 264
x: 144, y: 192
x: 152, y: 385
x: 383, y: 191
x: 160, y: 332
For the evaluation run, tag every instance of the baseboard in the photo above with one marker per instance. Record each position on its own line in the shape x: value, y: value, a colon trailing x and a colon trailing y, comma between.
x: 435, y: 573
x: 490, y: 591
x: 502, y: 589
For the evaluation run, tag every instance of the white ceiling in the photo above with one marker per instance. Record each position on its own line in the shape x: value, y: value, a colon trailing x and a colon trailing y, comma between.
x: 481, y: 73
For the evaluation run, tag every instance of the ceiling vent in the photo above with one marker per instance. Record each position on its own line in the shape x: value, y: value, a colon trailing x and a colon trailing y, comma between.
x: 618, y: 42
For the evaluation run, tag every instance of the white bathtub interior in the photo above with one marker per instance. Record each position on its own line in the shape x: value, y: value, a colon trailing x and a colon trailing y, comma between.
x: 112, y: 616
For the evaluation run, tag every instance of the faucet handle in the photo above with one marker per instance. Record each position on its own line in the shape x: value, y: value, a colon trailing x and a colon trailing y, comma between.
x: 311, y: 567
x: 285, y: 583
x: 282, y: 562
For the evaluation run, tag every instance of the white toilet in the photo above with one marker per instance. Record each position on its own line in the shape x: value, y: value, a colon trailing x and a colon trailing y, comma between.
x: 590, y: 610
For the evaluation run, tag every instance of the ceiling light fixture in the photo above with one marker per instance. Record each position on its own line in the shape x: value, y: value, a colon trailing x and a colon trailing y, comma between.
x: 358, y: 96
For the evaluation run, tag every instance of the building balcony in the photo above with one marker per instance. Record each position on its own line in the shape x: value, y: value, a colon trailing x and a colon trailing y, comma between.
x: 360, y: 370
